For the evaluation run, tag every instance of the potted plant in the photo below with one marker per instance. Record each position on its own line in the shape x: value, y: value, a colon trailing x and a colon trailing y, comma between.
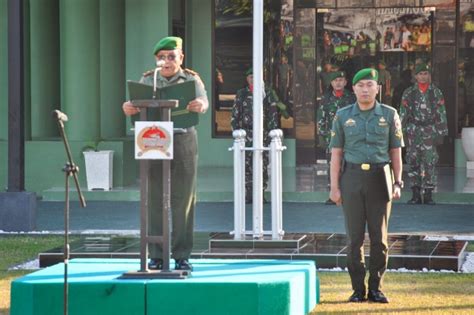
x: 99, y: 167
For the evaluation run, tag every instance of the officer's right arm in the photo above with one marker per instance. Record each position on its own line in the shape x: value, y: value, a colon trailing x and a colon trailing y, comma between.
x: 336, y: 160
x: 336, y: 145
x: 129, y: 109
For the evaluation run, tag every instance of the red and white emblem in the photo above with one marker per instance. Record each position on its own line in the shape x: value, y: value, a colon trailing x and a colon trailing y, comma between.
x: 153, y: 140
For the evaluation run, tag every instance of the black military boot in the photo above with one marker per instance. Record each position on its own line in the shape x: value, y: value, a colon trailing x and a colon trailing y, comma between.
x: 416, y: 198
x: 427, y: 197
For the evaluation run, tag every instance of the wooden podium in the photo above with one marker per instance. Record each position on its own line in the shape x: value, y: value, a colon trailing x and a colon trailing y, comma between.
x: 164, y: 106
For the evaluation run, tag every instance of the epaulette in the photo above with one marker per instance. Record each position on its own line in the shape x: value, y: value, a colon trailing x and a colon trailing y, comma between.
x: 148, y: 73
x: 190, y: 72
x: 390, y: 108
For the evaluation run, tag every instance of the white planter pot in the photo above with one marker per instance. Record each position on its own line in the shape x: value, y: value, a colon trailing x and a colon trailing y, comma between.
x: 99, y: 169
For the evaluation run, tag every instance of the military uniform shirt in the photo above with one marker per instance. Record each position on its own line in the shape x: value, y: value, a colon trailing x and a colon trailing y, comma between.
x: 183, y: 75
x: 366, y: 139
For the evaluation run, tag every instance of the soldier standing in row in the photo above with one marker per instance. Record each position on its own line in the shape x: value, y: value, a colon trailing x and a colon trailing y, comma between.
x: 242, y: 118
x: 331, y: 101
x: 424, y: 122
x: 366, y: 139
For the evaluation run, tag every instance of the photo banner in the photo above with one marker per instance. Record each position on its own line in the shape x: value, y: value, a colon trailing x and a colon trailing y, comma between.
x: 368, y: 31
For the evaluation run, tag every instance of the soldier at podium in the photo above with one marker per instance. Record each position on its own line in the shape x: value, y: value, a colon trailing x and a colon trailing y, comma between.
x: 184, y: 164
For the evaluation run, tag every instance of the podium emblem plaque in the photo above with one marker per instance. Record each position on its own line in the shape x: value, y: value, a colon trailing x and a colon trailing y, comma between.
x: 153, y: 140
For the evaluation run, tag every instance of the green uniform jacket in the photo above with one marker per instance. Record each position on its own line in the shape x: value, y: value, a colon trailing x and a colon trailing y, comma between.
x: 366, y: 139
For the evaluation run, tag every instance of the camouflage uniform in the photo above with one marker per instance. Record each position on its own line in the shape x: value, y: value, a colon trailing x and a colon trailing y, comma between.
x: 242, y: 118
x: 327, y: 109
x: 424, y: 123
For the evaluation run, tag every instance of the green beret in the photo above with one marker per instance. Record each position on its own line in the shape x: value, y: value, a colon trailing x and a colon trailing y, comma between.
x: 381, y: 62
x: 249, y: 72
x: 168, y: 43
x: 365, y: 74
x: 336, y: 74
x: 421, y: 67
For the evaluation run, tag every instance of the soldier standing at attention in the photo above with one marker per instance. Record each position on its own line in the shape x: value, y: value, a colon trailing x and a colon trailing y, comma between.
x: 331, y: 101
x: 183, y: 165
x: 366, y: 137
x: 242, y: 118
x: 424, y: 122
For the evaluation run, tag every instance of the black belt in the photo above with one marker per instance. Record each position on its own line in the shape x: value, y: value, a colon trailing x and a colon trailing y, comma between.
x: 365, y: 166
x: 180, y: 131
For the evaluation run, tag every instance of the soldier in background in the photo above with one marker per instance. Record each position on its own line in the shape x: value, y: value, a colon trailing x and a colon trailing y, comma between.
x: 331, y: 101
x: 385, y: 80
x: 242, y: 118
x: 424, y: 121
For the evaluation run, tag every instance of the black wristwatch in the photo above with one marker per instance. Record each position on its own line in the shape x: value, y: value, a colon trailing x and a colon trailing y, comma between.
x: 398, y: 183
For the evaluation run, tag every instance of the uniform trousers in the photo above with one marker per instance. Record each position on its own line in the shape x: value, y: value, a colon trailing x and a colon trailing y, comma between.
x: 365, y: 203
x: 183, y: 196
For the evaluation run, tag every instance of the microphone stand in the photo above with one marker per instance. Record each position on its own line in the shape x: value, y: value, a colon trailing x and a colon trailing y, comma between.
x: 70, y: 169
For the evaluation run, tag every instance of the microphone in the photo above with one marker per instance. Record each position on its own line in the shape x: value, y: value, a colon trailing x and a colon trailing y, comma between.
x: 59, y: 115
x: 160, y: 63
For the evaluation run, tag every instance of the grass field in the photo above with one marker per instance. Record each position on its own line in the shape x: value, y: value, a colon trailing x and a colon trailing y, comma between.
x: 410, y: 293
x: 15, y: 250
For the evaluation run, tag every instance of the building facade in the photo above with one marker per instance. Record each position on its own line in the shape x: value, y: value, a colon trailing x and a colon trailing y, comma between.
x: 79, y: 54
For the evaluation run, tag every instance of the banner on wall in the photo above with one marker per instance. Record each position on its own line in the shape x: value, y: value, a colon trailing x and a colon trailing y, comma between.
x: 368, y: 31
x: 467, y: 24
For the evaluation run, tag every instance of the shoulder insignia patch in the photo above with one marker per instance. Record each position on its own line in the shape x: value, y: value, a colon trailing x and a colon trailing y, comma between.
x: 190, y: 71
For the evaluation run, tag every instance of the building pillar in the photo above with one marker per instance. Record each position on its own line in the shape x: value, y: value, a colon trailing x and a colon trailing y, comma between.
x: 112, y: 68
x: 80, y: 67
x: 152, y: 20
x: 3, y: 70
x: 45, y: 96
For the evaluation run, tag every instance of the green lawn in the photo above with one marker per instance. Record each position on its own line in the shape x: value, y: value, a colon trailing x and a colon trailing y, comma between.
x: 17, y: 249
x: 410, y: 293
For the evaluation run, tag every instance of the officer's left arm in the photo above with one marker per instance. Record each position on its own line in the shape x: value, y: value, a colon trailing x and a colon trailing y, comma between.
x: 397, y: 168
x: 200, y: 104
x: 441, y: 122
x: 395, y: 151
x: 272, y: 113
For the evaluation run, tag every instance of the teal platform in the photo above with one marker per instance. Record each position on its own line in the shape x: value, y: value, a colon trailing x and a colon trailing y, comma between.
x: 216, y: 287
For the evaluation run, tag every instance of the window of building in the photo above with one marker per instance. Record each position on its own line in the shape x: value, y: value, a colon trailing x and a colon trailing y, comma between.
x: 466, y: 66
x: 233, y: 57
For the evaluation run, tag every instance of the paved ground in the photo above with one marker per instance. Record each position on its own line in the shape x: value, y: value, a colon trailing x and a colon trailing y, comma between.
x: 440, y: 219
